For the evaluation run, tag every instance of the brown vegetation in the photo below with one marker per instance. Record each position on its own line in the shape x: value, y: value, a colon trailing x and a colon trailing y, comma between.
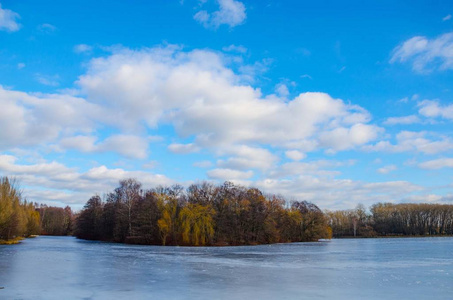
x: 203, y: 214
x: 387, y: 219
x: 19, y: 218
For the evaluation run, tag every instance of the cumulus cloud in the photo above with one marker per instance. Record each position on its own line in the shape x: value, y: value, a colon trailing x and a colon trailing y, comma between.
x: 433, y: 109
x: 428, y: 110
x: 348, y: 138
x: 230, y: 12
x: 331, y: 193
x: 295, y: 155
x: 53, y: 182
x: 198, y: 95
x: 282, y: 90
x: 8, y: 20
x: 202, y: 98
x: 127, y: 145
x: 80, y: 142
x: 437, y: 164
x: 424, y: 142
x: 429, y: 198
x: 245, y: 157
x: 204, y: 101
x: 36, y: 119
x: 426, y: 54
x: 319, y: 169
x: 229, y: 174
x: 387, y: 169
x: 406, y: 120
x: 183, y: 148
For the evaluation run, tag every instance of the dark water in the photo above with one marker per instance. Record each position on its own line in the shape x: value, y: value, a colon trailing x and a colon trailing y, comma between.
x: 66, y: 268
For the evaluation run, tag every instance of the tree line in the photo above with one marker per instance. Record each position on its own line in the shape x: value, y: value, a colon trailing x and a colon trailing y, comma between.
x: 17, y: 217
x: 20, y: 218
x: 207, y: 214
x: 387, y: 219
x: 202, y: 214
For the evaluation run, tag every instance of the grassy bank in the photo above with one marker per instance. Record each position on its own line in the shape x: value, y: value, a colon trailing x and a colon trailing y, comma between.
x: 11, y: 241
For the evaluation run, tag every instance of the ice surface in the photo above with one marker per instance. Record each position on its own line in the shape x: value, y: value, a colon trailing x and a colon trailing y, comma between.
x: 66, y: 268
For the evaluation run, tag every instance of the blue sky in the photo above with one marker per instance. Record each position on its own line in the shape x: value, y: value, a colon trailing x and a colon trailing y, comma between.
x: 338, y: 103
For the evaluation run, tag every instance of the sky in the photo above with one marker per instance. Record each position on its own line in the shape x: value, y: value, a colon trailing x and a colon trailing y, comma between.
x: 333, y: 102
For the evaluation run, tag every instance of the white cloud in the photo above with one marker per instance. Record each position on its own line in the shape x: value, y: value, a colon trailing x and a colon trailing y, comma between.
x: 245, y: 157
x: 282, y: 90
x: 197, y: 94
x: 446, y: 18
x: 432, y: 109
x: 229, y: 174
x: 437, y: 164
x: 206, y: 102
x: 80, y: 142
x: 127, y: 145
x: 203, y: 98
x: 348, y: 138
x: 425, y: 54
x: 183, y: 148
x: 295, y: 155
x: 53, y: 182
x: 406, y: 120
x: 231, y: 13
x: 83, y: 48
x: 429, y: 198
x: 36, y: 119
x: 329, y: 193
x: 423, y: 142
x: 387, y: 169
x: 8, y: 20
x: 319, y: 169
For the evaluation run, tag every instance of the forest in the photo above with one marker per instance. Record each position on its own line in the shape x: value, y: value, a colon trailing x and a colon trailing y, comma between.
x: 208, y: 214
x: 202, y: 214
x: 387, y: 219
x: 20, y: 218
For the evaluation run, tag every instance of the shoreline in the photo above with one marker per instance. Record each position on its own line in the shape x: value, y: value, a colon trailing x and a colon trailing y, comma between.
x: 14, y: 241
x: 392, y: 237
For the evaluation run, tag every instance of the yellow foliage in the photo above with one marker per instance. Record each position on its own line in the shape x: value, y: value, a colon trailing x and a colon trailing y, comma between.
x: 11, y: 241
x: 168, y: 208
x: 197, y: 224
x: 329, y: 232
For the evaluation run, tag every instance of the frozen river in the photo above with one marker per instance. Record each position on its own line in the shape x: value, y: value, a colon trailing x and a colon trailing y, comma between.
x: 66, y: 268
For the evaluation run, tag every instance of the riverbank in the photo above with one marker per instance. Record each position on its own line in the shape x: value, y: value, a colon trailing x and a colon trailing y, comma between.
x: 393, y: 236
x: 11, y: 241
